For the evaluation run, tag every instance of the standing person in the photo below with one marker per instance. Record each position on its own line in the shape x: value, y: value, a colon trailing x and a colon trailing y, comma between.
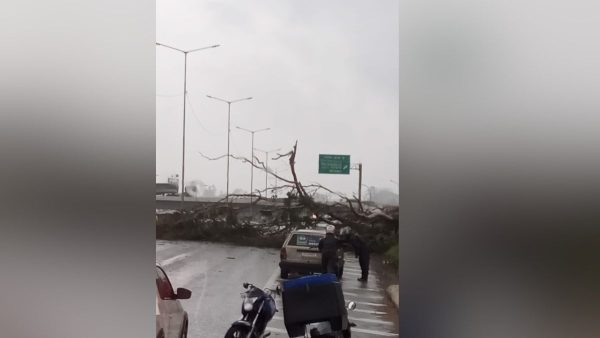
x: 362, y: 252
x: 328, y: 247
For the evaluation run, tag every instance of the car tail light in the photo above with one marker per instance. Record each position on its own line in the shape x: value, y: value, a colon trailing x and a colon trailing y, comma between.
x: 283, y: 254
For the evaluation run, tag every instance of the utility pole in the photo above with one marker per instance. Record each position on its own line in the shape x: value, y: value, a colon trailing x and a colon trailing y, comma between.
x: 185, y: 54
x: 252, y: 163
x: 267, y: 164
x: 359, y: 168
x: 359, y: 181
x: 397, y: 185
x: 229, y: 102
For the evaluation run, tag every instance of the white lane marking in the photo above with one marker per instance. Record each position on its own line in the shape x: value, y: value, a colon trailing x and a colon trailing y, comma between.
x: 351, y: 265
x: 351, y: 269
x: 172, y: 260
x: 374, y: 321
x: 276, y: 330
x: 374, y: 332
x: 204, y: 269
x: 355, y: 329
x: 371, y: 276
x: 363, y: 289
x: 371, y: 312
x: 357, y: 295
x: 371, y: 304
x: 358, y: 270
x: 271, y: 282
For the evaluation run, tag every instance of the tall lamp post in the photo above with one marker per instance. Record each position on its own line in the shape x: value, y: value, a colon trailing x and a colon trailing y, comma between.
x: 267, y: 163
x: 252, y: 165
x: 228, y: 131
x: 370, y: 189
x: 396, y: 183
x: 185, y: 54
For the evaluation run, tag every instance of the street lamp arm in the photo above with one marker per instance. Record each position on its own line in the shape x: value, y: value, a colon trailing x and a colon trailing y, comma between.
x: 177, y: 49
x: 264, y: 129
x: 244, y: 129
x: 238, y: 100
x: 197, y: 49
x: 217, y: 98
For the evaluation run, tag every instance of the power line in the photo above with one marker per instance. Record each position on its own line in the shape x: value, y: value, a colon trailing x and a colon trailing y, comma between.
x: 197, y: 118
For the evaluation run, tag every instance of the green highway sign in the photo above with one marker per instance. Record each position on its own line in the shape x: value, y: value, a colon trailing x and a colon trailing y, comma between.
x: 334, y: 164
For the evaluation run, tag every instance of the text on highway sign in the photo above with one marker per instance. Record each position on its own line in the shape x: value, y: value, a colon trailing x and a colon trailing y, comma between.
x: 334, y: 164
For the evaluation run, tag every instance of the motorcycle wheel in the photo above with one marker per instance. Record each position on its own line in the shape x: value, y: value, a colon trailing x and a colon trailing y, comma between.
x: 236, y: 332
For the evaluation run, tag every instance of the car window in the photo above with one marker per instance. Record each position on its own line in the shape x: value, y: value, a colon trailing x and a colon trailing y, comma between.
x: 165, y: 291
x: 305, y: 240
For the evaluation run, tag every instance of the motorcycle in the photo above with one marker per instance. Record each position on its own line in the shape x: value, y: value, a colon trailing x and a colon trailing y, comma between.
x: 258, y: 308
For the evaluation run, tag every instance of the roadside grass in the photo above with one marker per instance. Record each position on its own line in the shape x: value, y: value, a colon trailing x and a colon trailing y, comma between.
x: 391, y: 256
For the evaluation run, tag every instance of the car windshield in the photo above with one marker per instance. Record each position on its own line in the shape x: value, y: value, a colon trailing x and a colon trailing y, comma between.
x: 305, y: 240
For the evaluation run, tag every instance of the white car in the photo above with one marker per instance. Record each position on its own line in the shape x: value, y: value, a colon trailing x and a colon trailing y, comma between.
x: 300, y: 253
x: 171, y: 319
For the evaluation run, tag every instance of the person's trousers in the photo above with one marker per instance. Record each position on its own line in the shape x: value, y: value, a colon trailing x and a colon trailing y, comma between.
x: 363, y: 260
x: 329, y: 263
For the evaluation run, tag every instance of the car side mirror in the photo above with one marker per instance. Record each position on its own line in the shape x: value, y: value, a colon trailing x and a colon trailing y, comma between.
x: 183, y: 293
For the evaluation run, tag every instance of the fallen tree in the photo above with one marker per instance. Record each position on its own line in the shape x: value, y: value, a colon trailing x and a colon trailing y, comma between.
x: 220, y: 221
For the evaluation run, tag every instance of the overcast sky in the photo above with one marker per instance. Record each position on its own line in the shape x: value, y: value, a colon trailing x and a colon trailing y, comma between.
x: 324, y: 73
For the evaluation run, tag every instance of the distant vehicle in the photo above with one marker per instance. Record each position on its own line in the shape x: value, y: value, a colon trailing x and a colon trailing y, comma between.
x: 300, y: 253
x: 171, y: 319
x: 167, y: 189
x: 321, y: 226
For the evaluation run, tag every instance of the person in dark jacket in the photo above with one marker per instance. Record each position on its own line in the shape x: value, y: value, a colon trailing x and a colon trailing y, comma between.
x: 362, y: 253
x: 328, y: 247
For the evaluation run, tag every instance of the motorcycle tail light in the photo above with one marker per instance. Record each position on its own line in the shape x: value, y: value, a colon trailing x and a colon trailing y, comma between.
x: 283, y: 254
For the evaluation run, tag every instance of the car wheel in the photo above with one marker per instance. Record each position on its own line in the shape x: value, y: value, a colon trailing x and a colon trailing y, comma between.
x: 184, y: 330
x: 236, y: 332
x: 347, y: 333
x: 284, y: 274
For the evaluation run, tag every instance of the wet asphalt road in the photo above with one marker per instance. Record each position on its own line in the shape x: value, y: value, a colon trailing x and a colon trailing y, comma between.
x: 215, y: 272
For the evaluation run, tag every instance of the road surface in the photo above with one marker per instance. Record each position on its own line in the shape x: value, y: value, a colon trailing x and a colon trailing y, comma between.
x: 215, y: 272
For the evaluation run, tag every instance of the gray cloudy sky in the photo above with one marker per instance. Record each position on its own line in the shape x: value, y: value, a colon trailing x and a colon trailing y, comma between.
x: 324, y: 73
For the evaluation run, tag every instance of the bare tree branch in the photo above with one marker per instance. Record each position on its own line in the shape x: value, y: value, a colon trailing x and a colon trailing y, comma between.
x: 244, y: 159
x: 289, y: 153
x: 304, y: 198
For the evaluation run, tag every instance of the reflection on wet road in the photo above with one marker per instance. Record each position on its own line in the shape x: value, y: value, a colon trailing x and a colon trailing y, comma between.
x: 215, y: 272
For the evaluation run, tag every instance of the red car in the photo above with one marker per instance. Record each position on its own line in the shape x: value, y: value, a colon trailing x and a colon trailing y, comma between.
x: 171, y: 319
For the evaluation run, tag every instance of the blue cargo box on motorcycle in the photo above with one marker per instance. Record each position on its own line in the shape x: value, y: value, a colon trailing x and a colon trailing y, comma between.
x: 313, y: 299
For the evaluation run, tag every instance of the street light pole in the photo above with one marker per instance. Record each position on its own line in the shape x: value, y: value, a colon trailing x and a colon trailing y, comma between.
x: 267, y: 164
x: 396, y: 183
x: 228, y: 131
x: 252, y: 159
x: 359, y: 181
x: 370, y: 190
x: 185, y: 53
